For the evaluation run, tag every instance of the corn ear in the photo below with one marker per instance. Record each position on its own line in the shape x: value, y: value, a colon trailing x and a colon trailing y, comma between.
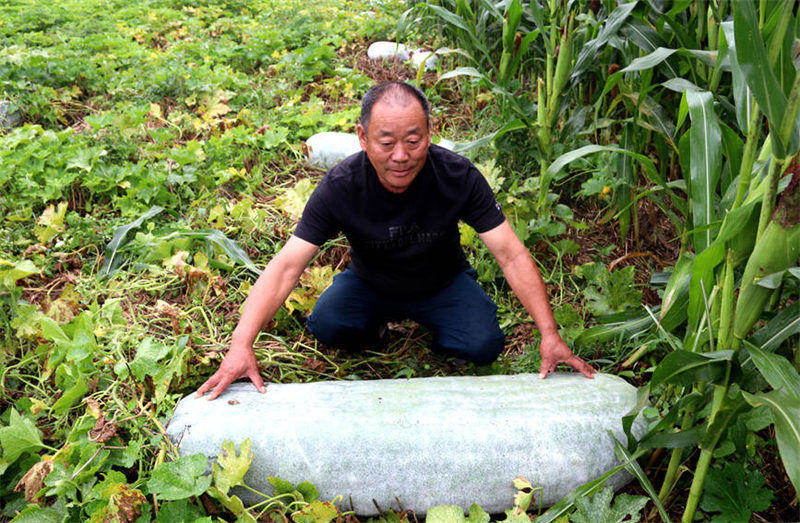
x: 563, y: 63
x: 778, y: 249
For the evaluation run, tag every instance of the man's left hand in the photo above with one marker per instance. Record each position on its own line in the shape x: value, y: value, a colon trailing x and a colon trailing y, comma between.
x: 555, y: 351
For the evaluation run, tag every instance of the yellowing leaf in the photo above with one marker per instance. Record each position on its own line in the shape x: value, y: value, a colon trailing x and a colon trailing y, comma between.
x: 11, y: 272
x: 50, y: 223
x: 315, y: 512
x: 230, y: 468
x: 293, y: 201
x: 156, y: 112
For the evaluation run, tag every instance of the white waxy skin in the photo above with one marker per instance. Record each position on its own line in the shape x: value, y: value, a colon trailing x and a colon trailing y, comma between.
x: 387, y: 51
x: 425, y: 441
x: 327, y: 149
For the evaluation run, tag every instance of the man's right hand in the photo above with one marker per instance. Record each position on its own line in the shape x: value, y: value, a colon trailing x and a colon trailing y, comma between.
x: 238, y: 363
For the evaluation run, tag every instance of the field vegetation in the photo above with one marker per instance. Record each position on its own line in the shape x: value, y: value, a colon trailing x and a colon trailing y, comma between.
x: 645, y: 152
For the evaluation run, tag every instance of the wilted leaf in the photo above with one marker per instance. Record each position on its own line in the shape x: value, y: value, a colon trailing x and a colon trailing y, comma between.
x: 50, y: 223
x: 148, y: 354
x: 293, y: 200
x: 10, y: 272
x: 33, y: 480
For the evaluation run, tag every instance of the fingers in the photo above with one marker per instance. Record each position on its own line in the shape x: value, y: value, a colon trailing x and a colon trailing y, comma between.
x: 581, y: 366
x: 255, y: 377
x: 221, y: 386
x: 545, y: 368
x: 210, y: 382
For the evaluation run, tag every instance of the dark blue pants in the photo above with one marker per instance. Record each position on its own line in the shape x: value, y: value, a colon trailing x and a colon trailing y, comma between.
x: 461, y: 317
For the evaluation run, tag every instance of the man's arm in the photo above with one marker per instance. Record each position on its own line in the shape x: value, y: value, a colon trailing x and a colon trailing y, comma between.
x: 267, y: 295
x: 526, y: 282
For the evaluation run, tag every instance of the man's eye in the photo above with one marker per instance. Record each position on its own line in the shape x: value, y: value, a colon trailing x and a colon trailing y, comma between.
x: 386, y: 144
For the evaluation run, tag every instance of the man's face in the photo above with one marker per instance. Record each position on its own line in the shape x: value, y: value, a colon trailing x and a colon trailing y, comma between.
x: 396, y: 141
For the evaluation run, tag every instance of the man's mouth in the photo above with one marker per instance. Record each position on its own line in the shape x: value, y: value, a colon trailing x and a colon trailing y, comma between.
x: 399, y: 172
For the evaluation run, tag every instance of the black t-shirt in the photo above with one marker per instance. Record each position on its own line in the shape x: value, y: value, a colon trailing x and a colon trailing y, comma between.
x: 405, y: 244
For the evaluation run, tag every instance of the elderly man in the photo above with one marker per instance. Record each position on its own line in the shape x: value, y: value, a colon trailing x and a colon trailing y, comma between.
x: 399, y: 202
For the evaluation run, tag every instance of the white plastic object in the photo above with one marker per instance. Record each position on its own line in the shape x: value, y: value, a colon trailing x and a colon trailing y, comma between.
x: 327, y: 149
x: 423, y: 441
x: 387, y: 51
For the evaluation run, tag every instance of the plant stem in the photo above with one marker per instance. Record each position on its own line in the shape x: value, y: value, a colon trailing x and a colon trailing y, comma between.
x: 768, y: 200
x: 748, y: 156
x: 674, y: 462
x: 697, y: 485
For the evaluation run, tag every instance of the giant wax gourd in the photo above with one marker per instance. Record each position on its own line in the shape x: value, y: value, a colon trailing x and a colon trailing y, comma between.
x: 423, y: 442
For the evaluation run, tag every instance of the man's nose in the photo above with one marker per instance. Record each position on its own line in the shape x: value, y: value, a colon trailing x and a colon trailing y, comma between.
x: 399, y: 153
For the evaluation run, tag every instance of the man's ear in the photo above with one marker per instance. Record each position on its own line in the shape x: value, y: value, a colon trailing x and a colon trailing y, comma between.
x: 362, y: 136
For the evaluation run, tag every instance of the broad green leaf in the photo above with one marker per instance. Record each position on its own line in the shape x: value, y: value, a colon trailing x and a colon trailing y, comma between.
x: 120, y: 238
x: 785, y: 407
x: 280, y: 486
x: 676, y: 293
x: 777, y: 370
x: 754, y: 63
x: 19, y: 436
x: 609, y: 29
x: 650, y: 60
x: 705, y: 165
x: 743, y: 97
x: 146, y: 361
x: 180, y: 510
x: 71, y: 396
x: 11, y: 272
x: 308, y: 490
x: 786, y: 323
x: 674, y: 440
x: 702, y: 281
x: 627, y: 328
x: 230, y: 467
x: 315, y: 512
x: 180, y: 479
x: 599, y: 508
x: 568, y: 157
x: 735, y: 493
x: 682, y: 367
x: 568, y: 502
x: 36, y: 514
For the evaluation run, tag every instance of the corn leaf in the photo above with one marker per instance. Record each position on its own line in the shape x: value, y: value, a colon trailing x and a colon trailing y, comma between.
x: 705, y: 164
x: 682, y: 367
x: 785, y: 324
x: 742, y: 95
x: 754, y: 63
x: 120, y: 238
x: 785, y: 407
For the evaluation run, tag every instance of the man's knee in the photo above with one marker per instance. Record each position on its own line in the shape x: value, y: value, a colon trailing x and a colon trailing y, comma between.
x: 484, y: 349
x: 336, y: 331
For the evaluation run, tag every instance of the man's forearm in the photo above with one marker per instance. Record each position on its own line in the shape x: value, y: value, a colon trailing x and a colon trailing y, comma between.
x: 526, y: 282
x: 267, y: 295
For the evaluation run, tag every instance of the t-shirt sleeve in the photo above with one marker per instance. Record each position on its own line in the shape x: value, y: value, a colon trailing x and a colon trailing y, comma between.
x: 318, y: 223
x: 482, y: 212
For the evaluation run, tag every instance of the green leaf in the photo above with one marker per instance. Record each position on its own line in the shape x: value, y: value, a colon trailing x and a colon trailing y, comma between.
x: 280, y: 486
x: 565, y: 505
x: 37, y: 514
x: 462, y: 71
x: 609, y: 29
x: 231, y: 503
x: 11, y: 272
x: 180, y: 510
x: 777, y: 370
x: 682, y: 367
x: 477, y: 514
x: 180, y: 479
x: 19, y: 436
x: 785, y: 407
x: 230, y: 467
x: 786, y: 323
x: 308, y: 491
x: 445, y: 514
x: 120, y: 238
x: 705, y: 164
x: 742, y: 96
x: 676, y: 293
x: 754, y: 63
x: 50, y: 223
x: 71, y: 396
x: 315, y: 512
x: 599, y: 508
x: 146, y: 361
x: 734, y: 493
x: 674, y: 440
x: 633, y: 467
x: 625, y: 327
